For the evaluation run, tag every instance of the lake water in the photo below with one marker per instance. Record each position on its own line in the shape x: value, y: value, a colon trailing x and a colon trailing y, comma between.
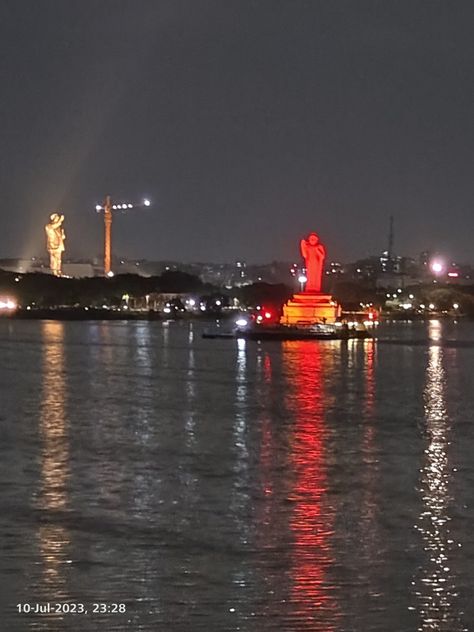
x: 224, y: 485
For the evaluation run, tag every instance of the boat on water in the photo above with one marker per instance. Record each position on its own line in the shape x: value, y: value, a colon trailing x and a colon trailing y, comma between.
x: 284, y: 332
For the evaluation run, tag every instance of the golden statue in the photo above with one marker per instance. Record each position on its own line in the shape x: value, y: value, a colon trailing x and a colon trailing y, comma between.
x: 55, y: 237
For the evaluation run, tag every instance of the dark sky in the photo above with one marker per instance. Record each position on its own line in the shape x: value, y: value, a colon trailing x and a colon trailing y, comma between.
x: 247, y: 122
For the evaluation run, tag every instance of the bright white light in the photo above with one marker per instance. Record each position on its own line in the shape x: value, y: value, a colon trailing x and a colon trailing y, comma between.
x: 110, y: 274
x: 130, y: 205
x: 203, y: 308
x: 124, y: 206
x: 114, y: 206
x: 167, y: 310
x: 455, y: 305
x: 218, y: 303
x: 146, y: 202
x: 399, y: 290
x: 191, y: 302
x: 431, y: 306
x: 407, y: 305
x: 437, y: 267
x: 241, y: 322
x: 98, y: 207
x: 302, y: 278
x: 8, y: 304
x: 411, y: 296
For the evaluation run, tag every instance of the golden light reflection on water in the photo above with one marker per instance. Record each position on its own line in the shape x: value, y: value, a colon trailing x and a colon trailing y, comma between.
x: 435, y: 585
x: 370, y: 349
x: 312, y: 519
x: 53, y: 498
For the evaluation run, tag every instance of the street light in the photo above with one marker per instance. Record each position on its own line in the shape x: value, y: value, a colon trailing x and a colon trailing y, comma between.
x: 437, y: 267
x: 302, y: 280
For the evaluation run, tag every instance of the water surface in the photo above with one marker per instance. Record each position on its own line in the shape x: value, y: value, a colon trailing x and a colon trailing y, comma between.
x: 226, y: 485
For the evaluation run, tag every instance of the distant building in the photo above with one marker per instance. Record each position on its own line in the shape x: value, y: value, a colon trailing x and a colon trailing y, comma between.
x: 22, y: 266
x: 79, y: 270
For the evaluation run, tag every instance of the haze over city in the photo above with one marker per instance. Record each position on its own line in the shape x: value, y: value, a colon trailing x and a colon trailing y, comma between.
x: 246, y: 123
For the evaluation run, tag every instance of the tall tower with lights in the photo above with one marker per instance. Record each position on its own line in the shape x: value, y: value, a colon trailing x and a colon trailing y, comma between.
x: 390, y: 239
x: 108, y: 209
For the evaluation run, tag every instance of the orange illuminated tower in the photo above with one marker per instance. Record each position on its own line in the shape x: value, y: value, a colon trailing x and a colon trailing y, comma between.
x: 108, y: 207
x: 108, y: 236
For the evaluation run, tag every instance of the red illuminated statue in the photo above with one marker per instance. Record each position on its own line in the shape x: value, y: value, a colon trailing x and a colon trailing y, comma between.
x: 314, y: 254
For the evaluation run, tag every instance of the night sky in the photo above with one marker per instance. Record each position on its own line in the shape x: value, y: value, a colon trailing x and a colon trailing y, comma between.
x: 247, y: 123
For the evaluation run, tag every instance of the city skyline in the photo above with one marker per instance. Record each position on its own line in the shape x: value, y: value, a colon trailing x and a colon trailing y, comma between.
x: 246, y: 124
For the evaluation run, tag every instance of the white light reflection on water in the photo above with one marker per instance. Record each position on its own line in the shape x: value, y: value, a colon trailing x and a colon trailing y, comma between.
x: 241, y: 399
x: 240, y: 497
x: 53, y: 498
x: 435, y: 585
x: 142, y: 363
x: 190, y: 419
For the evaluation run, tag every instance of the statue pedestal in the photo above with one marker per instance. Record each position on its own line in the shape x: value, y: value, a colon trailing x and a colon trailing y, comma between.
x: 309, y: 308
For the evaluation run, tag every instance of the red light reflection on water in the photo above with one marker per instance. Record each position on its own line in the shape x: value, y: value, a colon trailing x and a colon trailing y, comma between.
x: 312, y: 519
x: 369, y: 348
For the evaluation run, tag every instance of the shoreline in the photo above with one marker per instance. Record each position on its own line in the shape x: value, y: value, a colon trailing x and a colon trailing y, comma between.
x: 100, y: 313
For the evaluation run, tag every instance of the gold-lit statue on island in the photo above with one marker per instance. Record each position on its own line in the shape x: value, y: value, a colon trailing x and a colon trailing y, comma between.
x: 55, y: 237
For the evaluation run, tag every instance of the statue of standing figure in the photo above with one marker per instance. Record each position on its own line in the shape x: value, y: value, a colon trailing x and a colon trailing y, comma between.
x: 55, y: 237
x: 313, y: 253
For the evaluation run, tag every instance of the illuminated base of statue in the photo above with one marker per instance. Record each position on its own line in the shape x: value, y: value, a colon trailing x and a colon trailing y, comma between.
x: 309, y: 308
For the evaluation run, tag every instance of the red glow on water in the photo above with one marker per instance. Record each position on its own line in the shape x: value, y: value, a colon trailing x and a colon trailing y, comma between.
x: 267, y: 368
x: 312, y: 520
